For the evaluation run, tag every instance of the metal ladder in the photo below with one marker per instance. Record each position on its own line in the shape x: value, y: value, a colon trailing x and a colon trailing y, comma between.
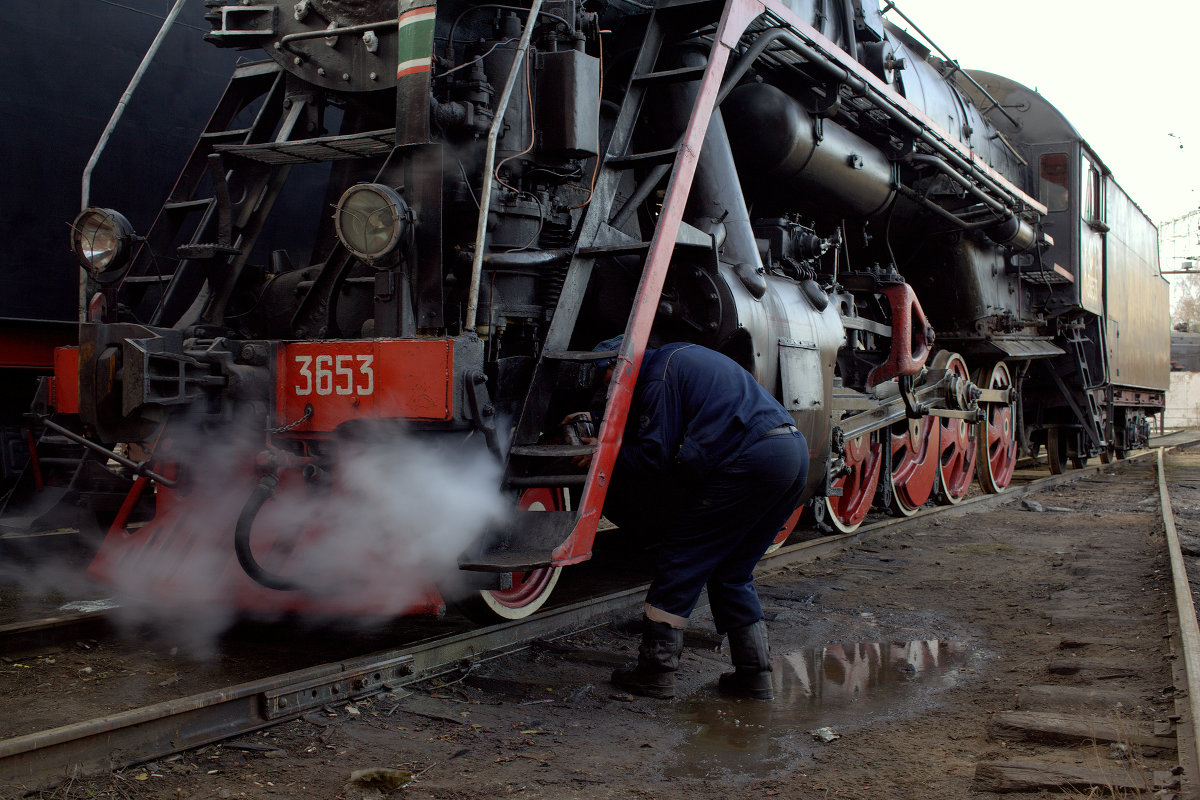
x: 545, y: 538
x: 1092, y: 418
x: 250, y: 144
x: 162, y: 293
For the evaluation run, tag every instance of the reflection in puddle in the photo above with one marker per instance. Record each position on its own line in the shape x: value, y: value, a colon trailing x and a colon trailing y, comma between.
x: 841, y: 686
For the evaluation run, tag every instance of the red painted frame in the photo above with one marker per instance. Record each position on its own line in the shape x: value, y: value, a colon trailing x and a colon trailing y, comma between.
x: 912, y: 336
x: 65, y: 393
x: 30, y: 344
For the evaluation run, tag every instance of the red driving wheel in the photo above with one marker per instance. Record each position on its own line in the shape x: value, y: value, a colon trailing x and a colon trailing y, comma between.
x: 997, y: 433
x: 528, y: 591
x: 864, y: 456
x: 786, y: 531
x: 958, y: 443
x: 914, y: 464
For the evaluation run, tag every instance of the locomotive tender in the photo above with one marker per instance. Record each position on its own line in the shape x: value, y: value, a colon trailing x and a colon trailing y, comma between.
x: 929, y: 267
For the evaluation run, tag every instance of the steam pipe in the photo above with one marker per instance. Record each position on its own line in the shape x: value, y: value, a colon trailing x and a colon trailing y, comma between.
x: 524, y: 259
x: 263, y: 492
x: 944, y: 168
x: 842, y: 75
x: 639, y: 194
x: 929, y: 205
x: 735, y: 73
x: 1009, y: 230
x: 324, y: 33
x: 848, y: 20
x: 715, y: 199
x: 489, y: 165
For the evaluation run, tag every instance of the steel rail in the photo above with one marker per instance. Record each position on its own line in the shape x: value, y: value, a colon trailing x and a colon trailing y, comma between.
x: 806, y: 551
x: 20, y: 638
x: 1189, y: 632
x: 143, y: 734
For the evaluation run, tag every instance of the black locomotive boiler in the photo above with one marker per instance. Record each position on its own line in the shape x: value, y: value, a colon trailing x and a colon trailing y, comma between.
x: 930, y: 268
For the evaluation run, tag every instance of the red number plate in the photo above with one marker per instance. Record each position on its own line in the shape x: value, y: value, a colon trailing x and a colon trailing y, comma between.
x: 401, y: 378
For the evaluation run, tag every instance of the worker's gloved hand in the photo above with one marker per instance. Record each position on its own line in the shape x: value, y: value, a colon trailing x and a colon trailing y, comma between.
x: 579, y: 429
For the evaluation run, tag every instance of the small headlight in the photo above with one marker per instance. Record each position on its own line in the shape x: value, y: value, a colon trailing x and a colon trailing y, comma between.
x: 100, y: 240
x: 370, y: 220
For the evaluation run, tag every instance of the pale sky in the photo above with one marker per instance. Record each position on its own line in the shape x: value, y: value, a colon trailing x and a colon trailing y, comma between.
x: 1122, y: 72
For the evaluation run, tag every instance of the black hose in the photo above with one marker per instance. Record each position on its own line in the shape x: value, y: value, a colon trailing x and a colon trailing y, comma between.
x: 263, y: 492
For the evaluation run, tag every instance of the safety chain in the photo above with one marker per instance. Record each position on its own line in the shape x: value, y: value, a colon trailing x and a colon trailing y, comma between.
x: 308, y: 412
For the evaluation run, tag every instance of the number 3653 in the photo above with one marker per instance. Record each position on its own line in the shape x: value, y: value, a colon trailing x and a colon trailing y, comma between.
x: 329, y: 374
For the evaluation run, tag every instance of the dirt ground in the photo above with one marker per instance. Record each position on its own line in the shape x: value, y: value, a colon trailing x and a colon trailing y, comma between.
x: 890, y: 662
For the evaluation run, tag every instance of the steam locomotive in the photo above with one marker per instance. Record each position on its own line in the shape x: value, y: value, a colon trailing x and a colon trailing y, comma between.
x: 417, y: 218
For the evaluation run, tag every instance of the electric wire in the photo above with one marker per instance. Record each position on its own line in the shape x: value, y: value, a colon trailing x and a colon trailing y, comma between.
x: 471, y: 191
x: 159, y: 17
x: 477, y: 59
x: 162, y: 283
x: 532, y: 141
x: 887, y: 234
x: 532, y: 134
x: 482, y: 6
x: 541, y: 221
x: 257, y: 300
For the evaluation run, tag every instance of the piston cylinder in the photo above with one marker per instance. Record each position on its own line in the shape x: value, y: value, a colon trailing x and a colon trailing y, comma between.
x: 780, y: 145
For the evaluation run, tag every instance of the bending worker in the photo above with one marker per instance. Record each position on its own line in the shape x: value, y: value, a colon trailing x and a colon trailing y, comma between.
x: 716, y: 460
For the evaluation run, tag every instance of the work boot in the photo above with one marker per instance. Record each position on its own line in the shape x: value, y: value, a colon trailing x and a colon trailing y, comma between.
x: 751, y: 657
x: 658, y: 658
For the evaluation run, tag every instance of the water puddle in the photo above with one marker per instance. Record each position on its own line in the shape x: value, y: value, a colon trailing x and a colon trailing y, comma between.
x: 838, y: 686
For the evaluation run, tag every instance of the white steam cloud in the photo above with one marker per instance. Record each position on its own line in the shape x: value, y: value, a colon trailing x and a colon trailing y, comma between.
x: 376, y: 535
x: 399, y: 517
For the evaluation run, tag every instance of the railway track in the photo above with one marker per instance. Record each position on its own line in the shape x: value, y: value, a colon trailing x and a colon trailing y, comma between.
x: 142, y: 734
x: 1184, y: 471
x: 20, y: 639
x: 1083, y: 733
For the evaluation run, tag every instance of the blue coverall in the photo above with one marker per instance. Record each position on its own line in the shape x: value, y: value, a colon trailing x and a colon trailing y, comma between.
x: 710, y: 460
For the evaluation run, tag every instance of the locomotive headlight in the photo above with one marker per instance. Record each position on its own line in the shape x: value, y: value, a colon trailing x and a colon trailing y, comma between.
x: 371, y: 219
x: 100, y: 239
